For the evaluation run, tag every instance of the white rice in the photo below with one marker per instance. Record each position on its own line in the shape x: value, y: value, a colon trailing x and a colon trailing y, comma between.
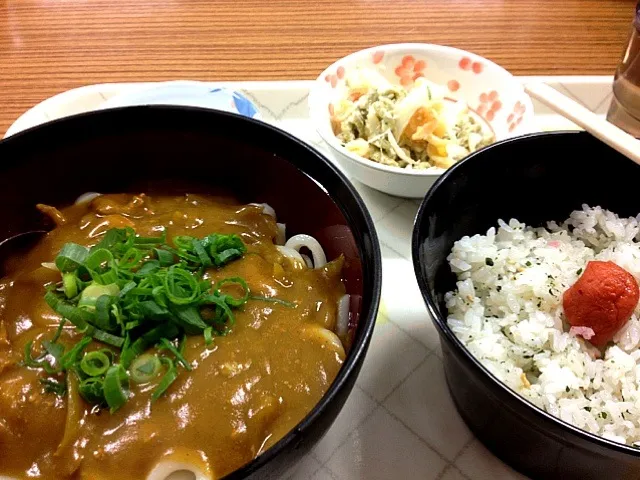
x: 507, y: 310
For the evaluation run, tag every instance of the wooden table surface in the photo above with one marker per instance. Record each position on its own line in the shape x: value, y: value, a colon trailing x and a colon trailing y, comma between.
x: 48, y: 46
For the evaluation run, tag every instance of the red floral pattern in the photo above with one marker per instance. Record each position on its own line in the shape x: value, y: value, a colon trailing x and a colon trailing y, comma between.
x: 467, y: 64
x: 410, y: 69
x: 515, y: 118
x: 332, y: 79
x: 489, y: 105
x: 477, y: 67
x: 453, y: 85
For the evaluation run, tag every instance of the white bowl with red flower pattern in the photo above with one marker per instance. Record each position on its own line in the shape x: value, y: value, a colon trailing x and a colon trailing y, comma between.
x: 488, y: 89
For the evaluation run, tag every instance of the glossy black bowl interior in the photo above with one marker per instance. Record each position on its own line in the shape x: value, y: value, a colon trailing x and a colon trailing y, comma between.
x: 535, y: 179
x: 172, y: 150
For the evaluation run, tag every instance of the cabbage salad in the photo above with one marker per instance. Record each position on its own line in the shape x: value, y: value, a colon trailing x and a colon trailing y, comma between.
x: 416, y: 128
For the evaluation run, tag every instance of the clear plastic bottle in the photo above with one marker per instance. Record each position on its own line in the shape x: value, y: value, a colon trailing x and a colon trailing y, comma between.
x: 624, y: 110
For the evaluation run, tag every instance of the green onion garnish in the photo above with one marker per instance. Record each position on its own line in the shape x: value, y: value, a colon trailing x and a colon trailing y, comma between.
x: 92, y: 390
x: 53, y: 386
x: 95, y: 364
x: 116, y: 387
x: 38, y: 362
x: 69, y: 284
x: 231, y: 301
x: 167, y: 379
x: 181, y: 286
x: 71, y: 357
x: 71, y: 257
x: 164, y: 343
x: 146, y: 341
x: 80, y: 318
x: 135, y: 293
x: 208, y: 336
x: 145, y: 368
x: 56, y: 336
x: 106, y: 337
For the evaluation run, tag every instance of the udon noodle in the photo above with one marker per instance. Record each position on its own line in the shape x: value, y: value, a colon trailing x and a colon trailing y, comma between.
x: 199, y: 402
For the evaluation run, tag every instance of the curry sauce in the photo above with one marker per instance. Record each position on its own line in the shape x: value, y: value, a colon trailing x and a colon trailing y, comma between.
x: 246, y: 390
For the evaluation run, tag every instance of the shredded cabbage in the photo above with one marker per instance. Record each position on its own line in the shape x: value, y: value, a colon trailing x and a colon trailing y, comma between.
x: 415, y: 128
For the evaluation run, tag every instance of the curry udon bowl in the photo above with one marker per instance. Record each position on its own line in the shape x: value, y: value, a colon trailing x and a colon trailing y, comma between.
x: 170, y: 151
x: 535, y: 179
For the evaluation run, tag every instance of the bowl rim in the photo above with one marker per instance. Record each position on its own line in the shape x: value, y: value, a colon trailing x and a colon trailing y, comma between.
x: 316, y: 103
x: 356, y: 355
x: 176, y: 88
x: 447, y: 334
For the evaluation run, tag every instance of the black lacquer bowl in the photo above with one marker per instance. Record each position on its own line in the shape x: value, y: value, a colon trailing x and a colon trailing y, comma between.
x: 172, y: 150
x: 535, y: 179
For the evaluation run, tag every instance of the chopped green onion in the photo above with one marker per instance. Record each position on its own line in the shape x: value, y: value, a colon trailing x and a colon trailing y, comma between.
x: 90, y: 294
x: 109, y: 353
x: 95, y: 364
x: 56, y: 336
x: 145, y: 368
x: 208, y: 337
x: 182, y: 344
x: 108, y: 338
x: 116, y: 312
x: 148, y: 267
x: 70, y: 358
x: 103, y: 313
x: 53, y: 386
x: 29, y: 361
x: 92, y: 390
x: 165, y: 258
x: 181, y: 286
x: 116, y: 387
x: 164, y: 343
x: 132, y: 325
x: 146, y: 341
x: 79, y: 317
x: 234, y: 302
x: 54, y: 349
x: 130, y: 259
x: 133, y: 293
x: 168, y: 378
x: 183, y: 254
x: 71, y: 256
x: 151, y: 240
x: 115, y: 236
x: 225, y: 315
x: 183, y: 242
x: 69, y: 284
x: 39, y: 362
x: 109, y: 276
x: 99, y: 259
x: 224, y: 248
x: 202, y: 253
x: 150, y: 309
x: 102, y: 267
x: 189, y: 318
x: 127, y: 288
